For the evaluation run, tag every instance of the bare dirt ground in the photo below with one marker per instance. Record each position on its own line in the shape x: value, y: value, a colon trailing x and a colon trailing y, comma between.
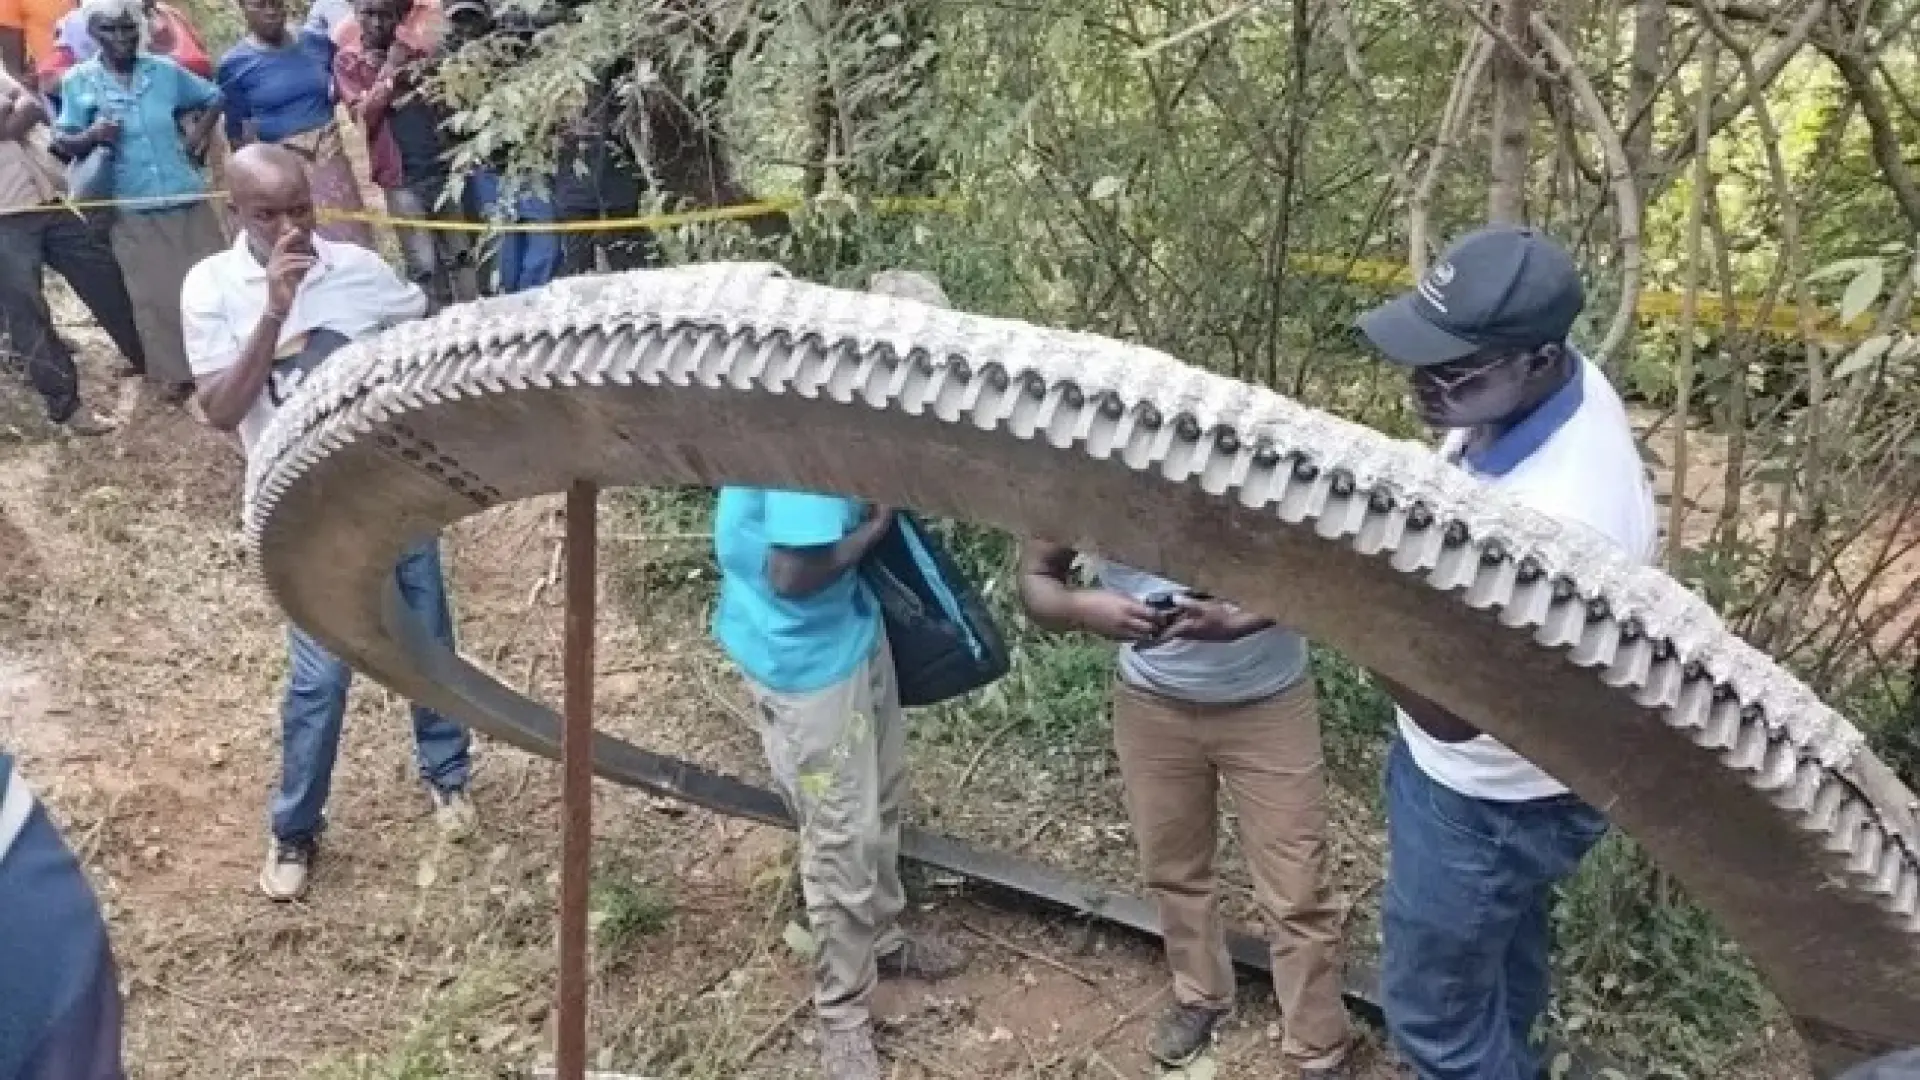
x: 139, y: 675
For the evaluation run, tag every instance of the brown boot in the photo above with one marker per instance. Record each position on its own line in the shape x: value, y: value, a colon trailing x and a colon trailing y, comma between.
x: 848, y: 1054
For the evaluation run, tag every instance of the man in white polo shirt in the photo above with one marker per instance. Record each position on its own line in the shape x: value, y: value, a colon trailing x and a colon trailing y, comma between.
x: 257, y: 318
x: 1477, y: 835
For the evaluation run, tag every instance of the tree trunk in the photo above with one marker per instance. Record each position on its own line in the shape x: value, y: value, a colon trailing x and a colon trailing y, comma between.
x: 1513, y: 95
x: 1648, y: 62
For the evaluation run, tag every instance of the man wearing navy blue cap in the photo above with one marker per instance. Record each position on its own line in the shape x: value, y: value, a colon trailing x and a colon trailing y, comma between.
x: 1477, y: 835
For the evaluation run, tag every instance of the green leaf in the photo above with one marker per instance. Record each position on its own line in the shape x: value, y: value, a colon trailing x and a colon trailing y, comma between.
x: 800, y: 940
x: 1864, y: 355
x: 1862, y: 291
x: 1106, y: 188
x: 1841, y: 269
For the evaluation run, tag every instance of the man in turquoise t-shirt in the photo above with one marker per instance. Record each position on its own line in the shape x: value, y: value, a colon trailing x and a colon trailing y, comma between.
x: 799, y: 621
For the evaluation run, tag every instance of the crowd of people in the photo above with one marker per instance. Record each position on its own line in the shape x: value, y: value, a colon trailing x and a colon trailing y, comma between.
x: 119, y: 122
x: 232, y: 310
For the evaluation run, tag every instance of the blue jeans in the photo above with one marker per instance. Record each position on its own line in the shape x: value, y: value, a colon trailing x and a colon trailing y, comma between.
x: 1465, y: 921
x: 316, y: 705
x: 526, y: 260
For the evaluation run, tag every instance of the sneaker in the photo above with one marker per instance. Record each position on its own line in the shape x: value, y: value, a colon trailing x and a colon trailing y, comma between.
x: 923, y: 957
x: 848, y: 1054
x: 1182, y: 1033
x: 85, y: 424
x: 284, y: 877
x: 453, y: 811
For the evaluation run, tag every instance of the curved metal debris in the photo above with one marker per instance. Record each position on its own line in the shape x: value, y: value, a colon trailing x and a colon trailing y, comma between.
x: 1759, y: 797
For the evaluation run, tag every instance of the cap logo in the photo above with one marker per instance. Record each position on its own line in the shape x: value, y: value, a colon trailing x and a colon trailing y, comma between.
x: 1437, y: 278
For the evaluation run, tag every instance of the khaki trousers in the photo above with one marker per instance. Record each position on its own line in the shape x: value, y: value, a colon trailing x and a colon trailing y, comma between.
x: 1174, y: 758
x: 839, y: 757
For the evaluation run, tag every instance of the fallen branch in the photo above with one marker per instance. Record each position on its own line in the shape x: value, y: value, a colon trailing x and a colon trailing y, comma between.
x: 1095, y: 1041
x: 552, y: 577
x: 775, y: 1028
x: 980, y: 754
x: 1031, y: 954
x: 92, y: 840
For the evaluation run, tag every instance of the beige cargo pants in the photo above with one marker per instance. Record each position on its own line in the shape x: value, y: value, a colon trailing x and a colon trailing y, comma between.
x: 1174, y: 759
x: 839, y: 756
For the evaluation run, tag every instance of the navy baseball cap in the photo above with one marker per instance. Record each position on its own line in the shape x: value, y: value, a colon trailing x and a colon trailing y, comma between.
x: 1503, y: 286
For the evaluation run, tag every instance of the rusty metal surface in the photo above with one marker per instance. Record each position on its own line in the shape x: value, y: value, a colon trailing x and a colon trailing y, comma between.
x: 576, y: 776
x: 1757, y: 796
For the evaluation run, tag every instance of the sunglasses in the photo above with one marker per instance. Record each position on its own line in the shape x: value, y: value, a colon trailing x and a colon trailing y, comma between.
x: 1454, y: 374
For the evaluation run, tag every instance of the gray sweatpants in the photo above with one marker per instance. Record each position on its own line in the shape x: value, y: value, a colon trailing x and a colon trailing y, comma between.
x: 839, y: 756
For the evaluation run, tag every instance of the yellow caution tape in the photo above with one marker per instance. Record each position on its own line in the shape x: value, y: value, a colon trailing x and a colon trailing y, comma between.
x: 762, y: 208
x: 1782, y: 319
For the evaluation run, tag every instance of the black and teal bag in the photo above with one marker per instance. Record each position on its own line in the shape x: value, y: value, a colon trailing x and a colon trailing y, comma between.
x: 944, y: 642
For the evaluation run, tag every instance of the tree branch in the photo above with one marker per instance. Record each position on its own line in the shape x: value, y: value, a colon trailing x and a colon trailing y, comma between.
x: 1466, y: 85
x: 1760, y: 75
x: 1886, y: 136
x: 1619, y: 175
x: 1796, y: 548
x: 1510, y: 135
x: 1899, y: 96
x: 1690, y: 308
x: 1515, y: 51
x: 1341, y: 27
x: 1651, y: 29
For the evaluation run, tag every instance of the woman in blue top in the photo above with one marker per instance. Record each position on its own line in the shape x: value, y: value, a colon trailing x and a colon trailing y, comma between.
x: 129, y: 105
x: 279, y: 87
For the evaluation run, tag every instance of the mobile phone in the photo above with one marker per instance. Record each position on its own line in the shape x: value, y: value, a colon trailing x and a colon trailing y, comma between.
x: 1166, y: 608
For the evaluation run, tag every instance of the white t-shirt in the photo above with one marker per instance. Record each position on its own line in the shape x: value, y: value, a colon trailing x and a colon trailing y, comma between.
x: 1573, y: 459
x: 350, y: 293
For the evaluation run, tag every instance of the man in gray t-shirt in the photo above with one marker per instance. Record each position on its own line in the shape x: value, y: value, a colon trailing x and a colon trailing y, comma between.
x: 1211, y: 696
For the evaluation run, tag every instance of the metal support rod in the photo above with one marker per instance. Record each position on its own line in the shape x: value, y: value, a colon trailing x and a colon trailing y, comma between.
x: 576, y: 778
